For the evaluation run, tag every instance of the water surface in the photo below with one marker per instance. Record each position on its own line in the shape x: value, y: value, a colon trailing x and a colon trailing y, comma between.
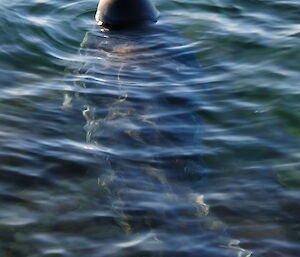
x: 177, y: 140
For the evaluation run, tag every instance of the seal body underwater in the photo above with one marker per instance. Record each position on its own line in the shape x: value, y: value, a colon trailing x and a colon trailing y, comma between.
x: 138, y: 85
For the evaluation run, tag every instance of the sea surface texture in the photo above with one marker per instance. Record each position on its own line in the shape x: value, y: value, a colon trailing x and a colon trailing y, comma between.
x: 176, y: 140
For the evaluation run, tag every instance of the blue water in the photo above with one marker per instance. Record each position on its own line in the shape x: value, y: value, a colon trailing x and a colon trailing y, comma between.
x: 180, y: 139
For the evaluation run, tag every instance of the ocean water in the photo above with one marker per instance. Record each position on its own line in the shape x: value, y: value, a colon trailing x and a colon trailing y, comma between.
x: 180, y: 139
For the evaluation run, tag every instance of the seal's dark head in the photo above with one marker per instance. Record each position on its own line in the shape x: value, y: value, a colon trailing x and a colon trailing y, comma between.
x: 125, y: 13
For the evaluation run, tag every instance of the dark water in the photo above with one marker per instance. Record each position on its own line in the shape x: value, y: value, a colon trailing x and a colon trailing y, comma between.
x: 176, y: 140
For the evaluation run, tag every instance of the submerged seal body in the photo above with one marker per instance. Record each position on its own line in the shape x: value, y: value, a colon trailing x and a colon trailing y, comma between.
x: 138, y: 85
x: 140, y: 98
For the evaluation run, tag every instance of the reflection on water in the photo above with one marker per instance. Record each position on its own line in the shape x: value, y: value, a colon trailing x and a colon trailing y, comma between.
x: 179, y: 139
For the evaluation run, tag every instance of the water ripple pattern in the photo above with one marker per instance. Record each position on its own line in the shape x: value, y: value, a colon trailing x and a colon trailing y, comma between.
x: 178, y: 140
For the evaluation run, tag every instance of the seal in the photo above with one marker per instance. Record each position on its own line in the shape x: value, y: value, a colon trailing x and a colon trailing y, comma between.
x: 125, y: 13
x: 140, y: 97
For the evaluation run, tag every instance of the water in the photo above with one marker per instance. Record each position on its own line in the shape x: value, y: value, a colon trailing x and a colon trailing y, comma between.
x: 179, y: 140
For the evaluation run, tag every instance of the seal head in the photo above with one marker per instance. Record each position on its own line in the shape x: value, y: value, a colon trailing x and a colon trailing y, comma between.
x: 125, y: 13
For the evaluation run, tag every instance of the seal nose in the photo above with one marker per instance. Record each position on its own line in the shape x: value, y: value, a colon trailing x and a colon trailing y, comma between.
x: 125, y: 13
